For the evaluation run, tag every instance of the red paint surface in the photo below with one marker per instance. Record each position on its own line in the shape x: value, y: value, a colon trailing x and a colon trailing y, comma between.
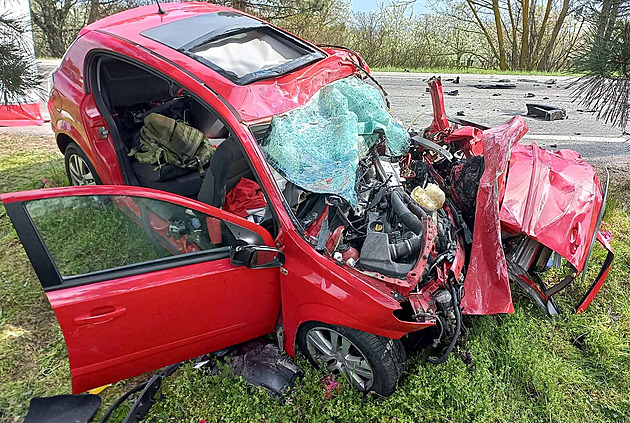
x: 553, y: 197
x: 487, y: 285
x: 27, y: 114
x: 259, y: 100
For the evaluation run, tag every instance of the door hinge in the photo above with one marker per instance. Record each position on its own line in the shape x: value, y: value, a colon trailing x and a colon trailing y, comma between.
x: 284, y: 271
x: 103, y: 132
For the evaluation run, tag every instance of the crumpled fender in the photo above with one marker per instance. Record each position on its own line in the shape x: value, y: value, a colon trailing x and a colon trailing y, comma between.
x: 554, y: 198
x: 487, y: 284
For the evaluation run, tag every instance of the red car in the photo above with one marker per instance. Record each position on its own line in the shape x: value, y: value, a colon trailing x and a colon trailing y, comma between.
x: 152, y: 264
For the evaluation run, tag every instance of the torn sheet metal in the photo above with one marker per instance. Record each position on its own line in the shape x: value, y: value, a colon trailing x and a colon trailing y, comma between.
x: 487, y: 285
x: 554, y: 198
x: 318, y: 146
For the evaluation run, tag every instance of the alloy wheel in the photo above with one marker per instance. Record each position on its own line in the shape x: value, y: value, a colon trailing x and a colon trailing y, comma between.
x: 340, y: 356
x: 80, y: 173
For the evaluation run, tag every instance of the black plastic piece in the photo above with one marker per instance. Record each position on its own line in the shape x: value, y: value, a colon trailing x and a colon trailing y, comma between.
x: 405, y: 247
x: 375, y: 254
x: 145, y: 401
x: 63, y: 409
x: 546, y: 112
x: 260, y: 363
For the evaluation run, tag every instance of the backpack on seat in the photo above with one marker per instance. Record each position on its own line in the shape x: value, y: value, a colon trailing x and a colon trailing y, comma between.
x: 164, y: 140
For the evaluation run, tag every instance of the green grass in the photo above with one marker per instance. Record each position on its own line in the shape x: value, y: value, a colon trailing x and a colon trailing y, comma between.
x: 525, y: 367
x: 454, y: 70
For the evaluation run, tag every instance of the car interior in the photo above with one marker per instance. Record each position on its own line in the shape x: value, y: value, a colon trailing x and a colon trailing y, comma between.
x: 126, y: 93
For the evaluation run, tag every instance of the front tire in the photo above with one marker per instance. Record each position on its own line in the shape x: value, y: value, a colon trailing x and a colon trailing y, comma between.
x: 367, y: 361
x: 78, y: 167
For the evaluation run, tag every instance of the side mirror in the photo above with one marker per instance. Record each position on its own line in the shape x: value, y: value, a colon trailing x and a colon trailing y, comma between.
x: 256, y: 256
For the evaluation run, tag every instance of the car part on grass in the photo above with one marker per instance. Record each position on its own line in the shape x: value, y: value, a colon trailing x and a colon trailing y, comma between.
x: 260, y: 363
x: 63, y: 409
x: 145, y: 400
x: 546, y: 112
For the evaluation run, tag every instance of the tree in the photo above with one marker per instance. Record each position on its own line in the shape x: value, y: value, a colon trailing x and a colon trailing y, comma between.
x: 18, y: 71
x: 605, y: 86
x: 528, y: 34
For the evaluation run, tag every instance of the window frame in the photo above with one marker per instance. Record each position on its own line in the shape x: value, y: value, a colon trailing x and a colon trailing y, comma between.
x: 45, y: 265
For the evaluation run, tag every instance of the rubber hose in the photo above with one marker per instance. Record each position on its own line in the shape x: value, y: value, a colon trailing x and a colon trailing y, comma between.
x: 405, y: 247
x: 408, y: 219
x: 458, y: 329
x: 414, y: 207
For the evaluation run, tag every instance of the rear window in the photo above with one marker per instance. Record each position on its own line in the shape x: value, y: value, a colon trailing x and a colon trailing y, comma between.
x: 240, y: 48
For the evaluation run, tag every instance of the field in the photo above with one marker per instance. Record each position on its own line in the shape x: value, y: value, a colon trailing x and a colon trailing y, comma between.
x: 526, y: 368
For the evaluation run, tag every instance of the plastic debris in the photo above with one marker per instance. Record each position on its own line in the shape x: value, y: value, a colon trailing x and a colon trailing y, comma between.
x: 318, y: 145
x: 495, y: 86
x: 546, y: 112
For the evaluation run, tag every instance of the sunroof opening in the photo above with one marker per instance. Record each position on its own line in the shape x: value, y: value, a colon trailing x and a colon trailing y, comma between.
x: 240, y: 48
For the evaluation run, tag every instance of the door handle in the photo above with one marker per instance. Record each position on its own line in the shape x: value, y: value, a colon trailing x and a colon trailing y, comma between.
x: 99, y: 316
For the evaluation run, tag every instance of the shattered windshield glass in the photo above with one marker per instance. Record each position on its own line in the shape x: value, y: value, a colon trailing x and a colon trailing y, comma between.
x: 318, y: 145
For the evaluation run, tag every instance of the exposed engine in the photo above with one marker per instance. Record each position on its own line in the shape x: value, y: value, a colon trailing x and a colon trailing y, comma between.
x: 410, y: 230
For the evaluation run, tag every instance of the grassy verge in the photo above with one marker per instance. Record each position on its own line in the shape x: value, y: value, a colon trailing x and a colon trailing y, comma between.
x: 525, y: 368
x: 479, y: 71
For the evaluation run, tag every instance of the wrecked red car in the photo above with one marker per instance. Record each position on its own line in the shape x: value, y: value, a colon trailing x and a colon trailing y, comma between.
x: 317, y: 216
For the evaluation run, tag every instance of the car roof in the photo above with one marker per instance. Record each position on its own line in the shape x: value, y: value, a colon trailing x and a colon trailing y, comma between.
x: 254, y: 102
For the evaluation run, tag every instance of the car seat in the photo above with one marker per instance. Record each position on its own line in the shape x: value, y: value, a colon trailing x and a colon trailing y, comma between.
x: 227, y: 166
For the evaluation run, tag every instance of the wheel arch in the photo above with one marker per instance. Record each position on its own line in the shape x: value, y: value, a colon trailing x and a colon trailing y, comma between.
x: 316, y: 313
x: 63, y: 140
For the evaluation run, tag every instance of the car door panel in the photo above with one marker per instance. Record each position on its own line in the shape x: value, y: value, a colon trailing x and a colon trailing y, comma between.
x: 153, y: 317
x: 131, y: 320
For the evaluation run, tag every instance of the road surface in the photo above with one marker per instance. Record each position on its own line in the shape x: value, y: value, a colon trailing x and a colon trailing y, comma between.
x: 411, y: 103
x: 581, y: 131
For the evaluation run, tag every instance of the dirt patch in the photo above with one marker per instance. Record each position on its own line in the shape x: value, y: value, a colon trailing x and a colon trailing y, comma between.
x: 11, y: 143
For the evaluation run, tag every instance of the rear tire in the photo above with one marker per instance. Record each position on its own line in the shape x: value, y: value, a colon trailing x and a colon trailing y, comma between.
x: 367, y: 361
x: 79, y: 169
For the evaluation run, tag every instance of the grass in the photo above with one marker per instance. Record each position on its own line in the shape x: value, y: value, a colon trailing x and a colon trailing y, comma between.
x: 482, y: 71
x: 525, y: 367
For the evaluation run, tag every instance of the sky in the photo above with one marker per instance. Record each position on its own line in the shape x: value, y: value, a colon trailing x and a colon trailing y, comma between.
x: 372, y: 5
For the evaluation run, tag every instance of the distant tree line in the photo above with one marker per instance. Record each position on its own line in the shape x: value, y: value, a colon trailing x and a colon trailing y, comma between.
x: 506, y: 34
x: 589, y: 37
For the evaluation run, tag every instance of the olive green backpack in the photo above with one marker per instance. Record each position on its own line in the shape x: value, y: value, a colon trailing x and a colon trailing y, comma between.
x: 164, y: 140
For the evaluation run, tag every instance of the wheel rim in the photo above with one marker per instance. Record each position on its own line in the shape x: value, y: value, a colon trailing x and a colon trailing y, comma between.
x: 80, y: 173
x: 340, y: 356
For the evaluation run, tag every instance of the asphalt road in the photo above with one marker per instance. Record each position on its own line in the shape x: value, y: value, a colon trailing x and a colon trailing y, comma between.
x: 581, y: 131
x: 411, y: 103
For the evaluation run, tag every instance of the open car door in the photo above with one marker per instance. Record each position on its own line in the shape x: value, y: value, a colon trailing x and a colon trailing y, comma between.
x: 140, y: 278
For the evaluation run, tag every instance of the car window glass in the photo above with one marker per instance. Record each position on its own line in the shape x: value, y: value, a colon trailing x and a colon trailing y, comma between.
x: 248, y: 52
x: 86, y: 234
